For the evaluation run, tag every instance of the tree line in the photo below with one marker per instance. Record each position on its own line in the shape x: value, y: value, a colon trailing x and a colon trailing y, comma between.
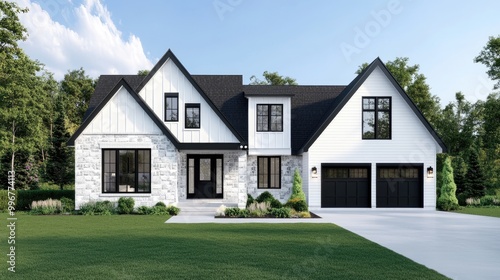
x: 38, y: 113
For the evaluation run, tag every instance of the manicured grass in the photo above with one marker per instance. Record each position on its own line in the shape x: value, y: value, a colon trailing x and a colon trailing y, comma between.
x: 483, y: 211
x: 144, y: 247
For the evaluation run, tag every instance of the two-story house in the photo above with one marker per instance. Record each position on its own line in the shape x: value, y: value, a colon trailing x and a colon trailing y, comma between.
x: 171, y: 136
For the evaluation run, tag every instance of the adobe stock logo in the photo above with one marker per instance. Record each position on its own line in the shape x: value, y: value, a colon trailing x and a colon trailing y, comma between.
x: 364, y: 36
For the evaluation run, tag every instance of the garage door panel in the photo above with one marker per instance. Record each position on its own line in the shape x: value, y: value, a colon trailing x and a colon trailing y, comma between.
x: 399, y: 186
x: 345, y: 187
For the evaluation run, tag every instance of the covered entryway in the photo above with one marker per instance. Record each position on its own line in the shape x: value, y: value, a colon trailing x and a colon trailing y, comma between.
x: 204, y: 176
x: 345, y: 185
x: 400, y: 185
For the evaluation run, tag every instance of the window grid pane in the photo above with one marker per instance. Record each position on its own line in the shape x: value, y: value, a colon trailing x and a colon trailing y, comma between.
x: 193, y: 116
x: 171, y: 108
x: 262, y: 118
x: 191, y: 176
x: 269, y: 172
x: 376, y: 118
x: 131, y: 173
x: 219, y: 176
x: 205, y: 169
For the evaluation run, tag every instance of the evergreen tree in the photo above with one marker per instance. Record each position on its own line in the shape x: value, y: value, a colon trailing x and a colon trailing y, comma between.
x: 474, y: 179
x: 459, y: 171
x: 60, y: 166
x: 297, y: 191
x: 447, y: 199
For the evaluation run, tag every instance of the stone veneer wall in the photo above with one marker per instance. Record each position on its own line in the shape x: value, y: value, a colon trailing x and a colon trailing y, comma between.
x: 288, y: 166
x: 235, y: 175
x: 88, y: 165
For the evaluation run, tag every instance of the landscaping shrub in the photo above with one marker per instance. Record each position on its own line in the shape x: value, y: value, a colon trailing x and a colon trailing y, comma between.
x: 4, y: 200
x: 297, y: 204
x: 126, y: 205
x: 173, y: 211
x: 462, y: 197
x: 297, y: 200
x: 235, y: 212
x: 68, y: 205
x: 26, y: 197
x: 473, y: 201
x: 489, y: 200
x: 143, y: 210
x: 46, y: 207
x: 265, y: 196
x: 221, y: 211
x: 259, y: 209
x: 98, y: 208
x: 158, y: 209
x: 249, y: 199
x: 297, y: 191
x: 159, y: 203
x: 276, y: 204
x: 447, y: 200
x: 280, y: 212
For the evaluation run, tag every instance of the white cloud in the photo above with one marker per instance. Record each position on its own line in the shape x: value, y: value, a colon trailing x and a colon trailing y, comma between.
x: 93, y: 42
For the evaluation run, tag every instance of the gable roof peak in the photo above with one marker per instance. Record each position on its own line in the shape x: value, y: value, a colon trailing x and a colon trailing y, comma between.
x: 349, y: 91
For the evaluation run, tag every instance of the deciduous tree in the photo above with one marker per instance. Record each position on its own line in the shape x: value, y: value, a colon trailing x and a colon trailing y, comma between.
x: 77, y: 88
x: 273, y: 78
x: 490, y: 56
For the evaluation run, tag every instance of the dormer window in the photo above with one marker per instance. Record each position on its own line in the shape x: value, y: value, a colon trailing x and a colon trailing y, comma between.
x: 269, y: 117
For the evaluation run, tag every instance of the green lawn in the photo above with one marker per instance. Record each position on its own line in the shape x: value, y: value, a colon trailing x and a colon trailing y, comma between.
x: 483, y: 211
x: 144, y: 247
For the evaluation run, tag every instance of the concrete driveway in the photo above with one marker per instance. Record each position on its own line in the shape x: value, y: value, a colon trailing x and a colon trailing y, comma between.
x: 459, y: 246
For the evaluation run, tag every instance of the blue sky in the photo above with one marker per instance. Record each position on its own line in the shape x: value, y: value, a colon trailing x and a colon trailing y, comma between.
x: 316, y: 42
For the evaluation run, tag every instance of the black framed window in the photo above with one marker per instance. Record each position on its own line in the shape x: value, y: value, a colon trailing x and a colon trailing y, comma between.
x: 171, y: 107
x: 126, y: 171
x: 193, y: 115
x: 269, y: 117
x: 376, y: 118
x: 269, y: 172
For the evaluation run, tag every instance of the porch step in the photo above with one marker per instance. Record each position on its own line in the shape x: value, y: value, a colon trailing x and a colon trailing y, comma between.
x: 201, y: 207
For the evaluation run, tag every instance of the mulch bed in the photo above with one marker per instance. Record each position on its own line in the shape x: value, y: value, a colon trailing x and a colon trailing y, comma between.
x: 313, y: 216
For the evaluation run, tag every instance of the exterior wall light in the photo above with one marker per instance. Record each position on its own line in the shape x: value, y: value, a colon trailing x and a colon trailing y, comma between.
x: 314, y: 172
x: 430, y: 172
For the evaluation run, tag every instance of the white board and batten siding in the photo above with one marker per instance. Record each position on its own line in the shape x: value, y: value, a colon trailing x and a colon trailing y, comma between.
x: 170, y: 79
x: 341, y: 141
x: 122, y: 115
x: 269, y: 143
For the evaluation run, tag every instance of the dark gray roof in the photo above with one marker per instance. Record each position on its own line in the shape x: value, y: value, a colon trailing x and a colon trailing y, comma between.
x: 313, y: 107
x: 105, y: 84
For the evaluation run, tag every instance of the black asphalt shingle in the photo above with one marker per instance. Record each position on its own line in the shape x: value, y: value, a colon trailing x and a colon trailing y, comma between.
x: 310, y: 104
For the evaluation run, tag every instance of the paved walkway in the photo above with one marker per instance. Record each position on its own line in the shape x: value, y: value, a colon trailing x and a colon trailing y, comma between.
x: 457, y: 245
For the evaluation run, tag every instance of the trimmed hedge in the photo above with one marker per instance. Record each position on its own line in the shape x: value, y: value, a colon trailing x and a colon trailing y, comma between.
x: 4, y: 199
x: 26, y: 197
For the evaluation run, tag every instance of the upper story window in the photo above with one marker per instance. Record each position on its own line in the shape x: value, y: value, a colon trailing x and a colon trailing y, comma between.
x: 270, y: 117
x: 171, y: 107
x: 376, y: 118
x: 193, y: 115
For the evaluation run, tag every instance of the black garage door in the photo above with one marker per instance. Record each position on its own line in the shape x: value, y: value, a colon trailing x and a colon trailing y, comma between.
x: 400, y: 186
x: 345, y: 186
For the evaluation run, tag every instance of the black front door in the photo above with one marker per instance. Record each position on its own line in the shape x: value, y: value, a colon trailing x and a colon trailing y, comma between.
x: 204, y: 176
